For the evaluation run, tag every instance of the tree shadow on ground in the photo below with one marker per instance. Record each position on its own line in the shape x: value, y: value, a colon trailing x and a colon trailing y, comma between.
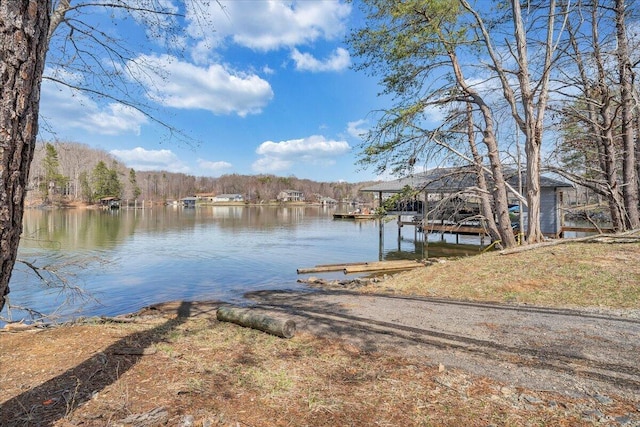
x: 57, y: 398
x: 310, y: 316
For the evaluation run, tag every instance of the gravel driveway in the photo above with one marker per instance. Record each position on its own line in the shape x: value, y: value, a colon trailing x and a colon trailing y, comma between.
x: 567, y: 351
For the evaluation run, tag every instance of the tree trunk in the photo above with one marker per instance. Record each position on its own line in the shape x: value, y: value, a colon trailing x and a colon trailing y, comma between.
x: 534, y: 230
x: 500, y: 199
x: 630, y: 187
x: 23, y: 37
x: 600, y: 114
x: 534, y: 111
x: 485, y: 202
x: 637, y: 133
x: 610, y: 172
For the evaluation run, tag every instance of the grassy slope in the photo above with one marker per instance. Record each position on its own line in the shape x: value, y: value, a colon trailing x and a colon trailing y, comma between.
x: 567, y: 275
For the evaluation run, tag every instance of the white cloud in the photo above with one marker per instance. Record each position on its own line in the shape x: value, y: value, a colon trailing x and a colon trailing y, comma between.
x: 216, y: 167
x: 316, y: 149
x: 68, y: 109
x: 268, y: 70
x: 357, y: 129
x: 271, y: 165
x: 174, y: 83
x: 268, y: 24
x: 434, y: 114
x: 145, y: 160
x: 338, y: 61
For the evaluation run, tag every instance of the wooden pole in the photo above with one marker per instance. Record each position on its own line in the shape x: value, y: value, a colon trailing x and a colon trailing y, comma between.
x: 251, y: 319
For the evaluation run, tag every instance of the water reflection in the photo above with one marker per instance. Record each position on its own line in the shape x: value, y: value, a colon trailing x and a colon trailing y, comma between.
x: 130, y: 258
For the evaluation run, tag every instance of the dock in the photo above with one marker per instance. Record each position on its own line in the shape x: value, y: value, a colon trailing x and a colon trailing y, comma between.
x: 468, y: 229
x: 359, y: 216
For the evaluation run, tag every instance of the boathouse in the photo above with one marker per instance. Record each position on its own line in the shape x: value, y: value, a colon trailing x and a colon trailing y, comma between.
x: 450, y: 195
x: 110, y: 202
x: 189, y: 202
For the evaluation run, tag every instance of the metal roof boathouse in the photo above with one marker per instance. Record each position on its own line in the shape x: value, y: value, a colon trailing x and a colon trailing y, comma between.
x: 449, y: 196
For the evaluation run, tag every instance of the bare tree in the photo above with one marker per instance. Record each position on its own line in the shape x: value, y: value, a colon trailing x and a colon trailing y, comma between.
x: 529, y: 108
x: 599, y: 116
x: 85, y: 57
x: 629, y: 140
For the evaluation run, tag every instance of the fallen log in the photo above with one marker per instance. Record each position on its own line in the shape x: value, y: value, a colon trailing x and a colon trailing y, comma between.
x: 251, y: 319
x: 321, y: 269
x: 390, y: 263
x: 382, y: 267
x: 626, y: 237
x: 17, y: 327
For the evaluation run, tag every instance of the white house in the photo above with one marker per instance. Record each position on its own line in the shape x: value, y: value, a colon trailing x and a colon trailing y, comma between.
x: 291, y: 196
x: 228, y: 198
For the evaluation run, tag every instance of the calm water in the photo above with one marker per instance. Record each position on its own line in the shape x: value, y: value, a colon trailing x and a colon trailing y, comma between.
x: 128, y: 259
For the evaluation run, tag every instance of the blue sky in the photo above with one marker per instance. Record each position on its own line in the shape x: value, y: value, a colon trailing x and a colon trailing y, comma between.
x: 261, y: 86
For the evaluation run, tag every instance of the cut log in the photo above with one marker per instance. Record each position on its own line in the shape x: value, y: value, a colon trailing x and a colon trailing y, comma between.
x: 251, y: 319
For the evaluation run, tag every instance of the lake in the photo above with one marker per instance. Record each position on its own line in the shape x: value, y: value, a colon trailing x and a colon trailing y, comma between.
x: 130, y: 258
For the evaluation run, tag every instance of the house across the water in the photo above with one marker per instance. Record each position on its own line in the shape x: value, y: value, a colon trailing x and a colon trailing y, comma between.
x: 291, y: 196
x: 189, y: 202
x: 110, y: 202
x: 228, y: 198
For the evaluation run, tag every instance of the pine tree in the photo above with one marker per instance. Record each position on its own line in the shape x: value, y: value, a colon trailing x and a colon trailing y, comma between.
x: 53, y: 179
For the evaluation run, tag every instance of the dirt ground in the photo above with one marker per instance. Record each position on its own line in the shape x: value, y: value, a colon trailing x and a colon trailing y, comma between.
x: 361, y: 357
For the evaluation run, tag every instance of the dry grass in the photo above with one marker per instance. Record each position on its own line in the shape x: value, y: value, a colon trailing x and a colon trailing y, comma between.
x: 567, y: 275
x: 222, y: 374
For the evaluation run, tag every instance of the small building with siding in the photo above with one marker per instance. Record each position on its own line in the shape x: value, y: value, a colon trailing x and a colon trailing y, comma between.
x: 205, y: 197
x: 228, y: 198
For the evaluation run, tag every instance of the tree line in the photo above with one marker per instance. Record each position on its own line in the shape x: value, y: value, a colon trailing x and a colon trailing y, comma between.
x: 64, y: 172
